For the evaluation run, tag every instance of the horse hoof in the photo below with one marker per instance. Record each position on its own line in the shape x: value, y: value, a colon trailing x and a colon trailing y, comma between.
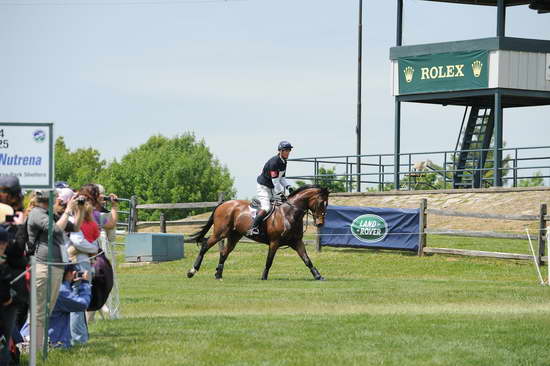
x: 320, y: 278
x: 219, y: 278
x: 190, y: 274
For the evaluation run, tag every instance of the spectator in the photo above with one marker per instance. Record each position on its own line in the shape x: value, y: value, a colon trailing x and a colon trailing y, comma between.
x: 83, y: 244
x: 14, y: 295
x: 107, y: 222
x: 74, y: 296
x: 38, y: 233
x: 107, y: 218
x: 6, y: 312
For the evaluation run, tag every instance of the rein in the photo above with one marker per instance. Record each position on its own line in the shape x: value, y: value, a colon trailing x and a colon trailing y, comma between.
x: 306, y: 213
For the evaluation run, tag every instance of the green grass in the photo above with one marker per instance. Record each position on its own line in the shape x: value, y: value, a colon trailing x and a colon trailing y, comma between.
x: 375, y: 308
x: 491, y: 245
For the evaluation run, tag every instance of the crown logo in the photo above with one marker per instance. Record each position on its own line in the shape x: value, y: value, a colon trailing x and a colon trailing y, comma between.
x: 477, y: 66
x: 409, y: 72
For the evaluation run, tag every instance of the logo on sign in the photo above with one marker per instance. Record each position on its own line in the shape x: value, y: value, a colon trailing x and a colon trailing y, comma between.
x: 477, y: 66
x: 369, y: 228
x: 409, y: 73
x: 39, y: 135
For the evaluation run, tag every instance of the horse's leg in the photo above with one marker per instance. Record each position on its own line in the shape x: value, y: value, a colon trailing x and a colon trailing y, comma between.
x: 206, y: 244
x: 301, y: 250
x: 273, y: 246
x: 232, y: 240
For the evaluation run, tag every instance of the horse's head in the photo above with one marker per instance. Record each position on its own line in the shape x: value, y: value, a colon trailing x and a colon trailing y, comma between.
x: 315, y: 199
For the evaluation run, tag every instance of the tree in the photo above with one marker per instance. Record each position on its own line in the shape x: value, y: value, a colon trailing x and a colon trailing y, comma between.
x: 79, y: 167
x: 535, y: 181
x: 327, y: 178
x: 162, y: 170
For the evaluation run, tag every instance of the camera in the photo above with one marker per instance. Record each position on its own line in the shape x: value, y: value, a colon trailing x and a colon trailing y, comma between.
x: 81, y: 200
x: 78, y: 276
x: 108, y: 199
x: 9, y: 218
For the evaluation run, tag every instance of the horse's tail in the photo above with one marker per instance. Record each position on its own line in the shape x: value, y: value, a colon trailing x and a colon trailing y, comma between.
x: 199, y: 235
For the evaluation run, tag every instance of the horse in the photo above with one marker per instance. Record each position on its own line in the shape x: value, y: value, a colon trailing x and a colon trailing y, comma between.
x: 284, y: 227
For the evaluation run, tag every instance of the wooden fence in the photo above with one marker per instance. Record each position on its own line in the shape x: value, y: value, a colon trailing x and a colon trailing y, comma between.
x: 542, y: 218
x: 163, y: 223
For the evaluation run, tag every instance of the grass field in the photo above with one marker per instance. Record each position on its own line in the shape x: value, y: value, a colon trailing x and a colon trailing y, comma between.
x: 375, y: 308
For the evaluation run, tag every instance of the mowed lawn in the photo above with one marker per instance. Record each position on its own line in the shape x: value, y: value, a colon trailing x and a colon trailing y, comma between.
x: 375, y: 308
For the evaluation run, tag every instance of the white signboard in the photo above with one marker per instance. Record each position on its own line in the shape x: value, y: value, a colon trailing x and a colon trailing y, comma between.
x: 548, y: 66
x: 26, y: 151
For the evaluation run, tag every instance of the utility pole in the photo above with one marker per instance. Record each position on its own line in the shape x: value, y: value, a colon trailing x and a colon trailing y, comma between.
x: 359, y: 66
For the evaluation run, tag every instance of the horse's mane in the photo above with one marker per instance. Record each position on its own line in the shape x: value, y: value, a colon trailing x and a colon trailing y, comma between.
x: 309, y: 186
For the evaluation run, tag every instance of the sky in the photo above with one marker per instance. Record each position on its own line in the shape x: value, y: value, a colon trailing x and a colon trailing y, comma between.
x: 240, y: 74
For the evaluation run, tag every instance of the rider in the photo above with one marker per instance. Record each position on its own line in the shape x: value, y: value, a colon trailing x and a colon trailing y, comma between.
x: 271, y: 183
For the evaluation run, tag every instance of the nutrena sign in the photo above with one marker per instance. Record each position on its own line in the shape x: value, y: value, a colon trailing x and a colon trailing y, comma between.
x: 26, y: 151
x: 443, y: 72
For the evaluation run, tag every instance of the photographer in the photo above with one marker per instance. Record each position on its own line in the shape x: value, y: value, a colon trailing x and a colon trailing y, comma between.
x: 108, y: 218
x: 38, y: 233
x: 13, y: 260
x: 6, y: 307
x: 74, y: 296
x: 83, y: 244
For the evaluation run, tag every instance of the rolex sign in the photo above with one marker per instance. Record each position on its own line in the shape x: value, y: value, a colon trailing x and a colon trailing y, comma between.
x: 443, y: 72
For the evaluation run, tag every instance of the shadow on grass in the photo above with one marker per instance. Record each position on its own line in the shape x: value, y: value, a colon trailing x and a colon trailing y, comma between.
x: 376, y: 251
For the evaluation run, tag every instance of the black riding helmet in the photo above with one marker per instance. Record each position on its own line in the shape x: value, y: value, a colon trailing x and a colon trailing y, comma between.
x: 284, y: 145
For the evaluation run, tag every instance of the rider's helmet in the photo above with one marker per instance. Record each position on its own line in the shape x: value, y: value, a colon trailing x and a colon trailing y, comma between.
x: 284, y: 145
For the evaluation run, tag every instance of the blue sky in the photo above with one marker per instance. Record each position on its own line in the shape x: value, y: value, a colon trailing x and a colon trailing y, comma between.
x: 242, y: 75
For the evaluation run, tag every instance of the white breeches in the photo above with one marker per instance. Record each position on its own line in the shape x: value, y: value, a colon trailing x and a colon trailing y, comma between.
x: 264, y: 195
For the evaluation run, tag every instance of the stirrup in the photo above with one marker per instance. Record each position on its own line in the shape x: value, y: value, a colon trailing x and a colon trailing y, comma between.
x: 253, y: 231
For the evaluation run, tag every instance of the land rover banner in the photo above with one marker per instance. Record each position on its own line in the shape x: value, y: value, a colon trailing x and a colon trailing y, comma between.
x: 26, y: 151
x: 443, y: 72
x: 371, y: 227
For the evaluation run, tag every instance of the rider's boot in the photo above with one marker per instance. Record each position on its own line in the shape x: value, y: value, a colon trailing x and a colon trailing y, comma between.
x: 255, y: 228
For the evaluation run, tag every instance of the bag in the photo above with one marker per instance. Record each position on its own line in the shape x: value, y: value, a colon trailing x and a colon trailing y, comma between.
x: 102, y: 283
x: 22, y: 239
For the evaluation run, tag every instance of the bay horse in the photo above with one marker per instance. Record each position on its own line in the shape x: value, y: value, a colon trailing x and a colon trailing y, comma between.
x: 232, y: 219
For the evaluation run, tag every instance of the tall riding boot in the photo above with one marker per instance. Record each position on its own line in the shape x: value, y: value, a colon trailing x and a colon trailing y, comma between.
x: 255, y: 229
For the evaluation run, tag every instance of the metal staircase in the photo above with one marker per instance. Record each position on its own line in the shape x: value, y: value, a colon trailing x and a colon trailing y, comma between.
x: 474, y: 140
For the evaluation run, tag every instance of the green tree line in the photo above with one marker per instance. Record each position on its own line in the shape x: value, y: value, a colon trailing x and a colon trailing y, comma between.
x: 162, y: 170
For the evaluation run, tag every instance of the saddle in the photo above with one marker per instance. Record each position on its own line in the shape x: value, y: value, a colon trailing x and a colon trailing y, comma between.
x: 255, y: 205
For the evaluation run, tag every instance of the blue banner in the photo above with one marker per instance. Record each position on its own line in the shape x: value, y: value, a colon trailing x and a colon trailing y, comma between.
x: 371, y: 227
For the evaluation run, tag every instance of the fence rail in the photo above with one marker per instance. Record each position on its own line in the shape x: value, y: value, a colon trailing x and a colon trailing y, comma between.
x: 377, y: 171
x: 541, y: 219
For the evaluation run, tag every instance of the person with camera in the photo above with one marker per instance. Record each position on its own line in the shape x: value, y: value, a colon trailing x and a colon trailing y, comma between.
x: 74, y: 296
x: 37, y: 225
x: 13, y: 261
x: 6, y: 299
x: 82, y: 246
x: 108, y: 219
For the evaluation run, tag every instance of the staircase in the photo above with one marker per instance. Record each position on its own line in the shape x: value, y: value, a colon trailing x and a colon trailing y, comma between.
x: 476, y: 134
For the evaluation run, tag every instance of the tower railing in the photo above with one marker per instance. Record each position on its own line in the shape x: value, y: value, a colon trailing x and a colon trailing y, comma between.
x: 423, y: 170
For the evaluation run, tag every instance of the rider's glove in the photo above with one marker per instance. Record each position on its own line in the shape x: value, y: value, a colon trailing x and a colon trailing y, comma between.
x: 280, y: 197
x: 289, y: 189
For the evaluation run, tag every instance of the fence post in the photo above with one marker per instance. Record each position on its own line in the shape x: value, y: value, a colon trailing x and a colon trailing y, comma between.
x: 542, y: 232
x: 318, y: 240
x: 32, y: 314
x: 162, y: 223
x: 132, y: 224
x: 221, y: 198
x: 422, y: 221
